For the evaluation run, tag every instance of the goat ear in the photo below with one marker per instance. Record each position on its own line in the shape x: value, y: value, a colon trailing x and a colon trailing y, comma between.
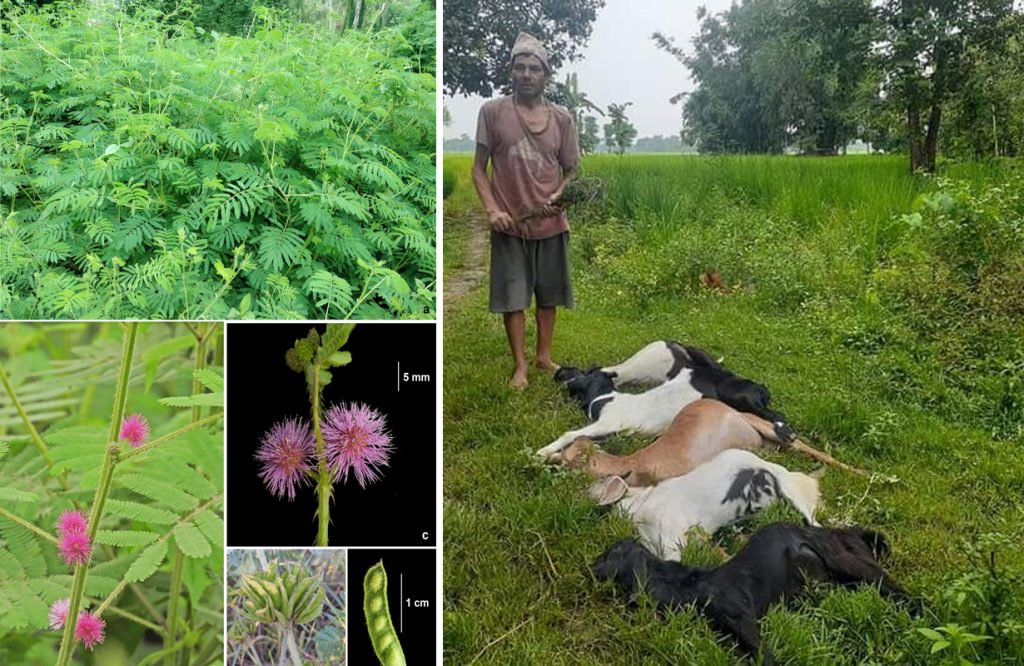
x: 608, y: 490
x: 817, y: 473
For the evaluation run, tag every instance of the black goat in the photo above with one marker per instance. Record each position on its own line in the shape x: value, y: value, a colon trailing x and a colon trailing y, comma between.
x: 774, y: 565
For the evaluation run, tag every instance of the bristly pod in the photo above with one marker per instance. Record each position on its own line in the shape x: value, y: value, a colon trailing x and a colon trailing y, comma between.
x: 378, y: 617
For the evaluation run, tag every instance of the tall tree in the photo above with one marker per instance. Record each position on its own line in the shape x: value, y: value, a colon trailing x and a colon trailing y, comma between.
x: 478, y: 36
x: 619, y: 133
x: 774, y: 73
x: 574, y: 100
x: 588, y: 135
x: 933, y: 48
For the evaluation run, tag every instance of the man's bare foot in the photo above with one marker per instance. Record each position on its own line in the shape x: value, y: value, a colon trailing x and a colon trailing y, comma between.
x: 547, y: 365
x: 518, y: 380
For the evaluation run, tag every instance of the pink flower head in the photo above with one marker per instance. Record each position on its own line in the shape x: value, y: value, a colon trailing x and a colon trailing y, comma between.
x: 71, y: 522
x: 89, y: 629
x: 356, y: 439
x: 135, y: 429
x: 75, y: 548
x: 59, y: 613
x: 286, y: 454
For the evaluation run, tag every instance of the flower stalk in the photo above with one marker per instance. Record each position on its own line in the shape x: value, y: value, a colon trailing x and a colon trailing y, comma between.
x: 324, y: 487
x: 67, y: 645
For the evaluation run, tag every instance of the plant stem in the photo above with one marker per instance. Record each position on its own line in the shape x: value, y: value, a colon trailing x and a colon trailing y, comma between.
x: 137, y: 620
x: 36, y: 438
x: 291, y: 646
x: 172, y: 606
x: 323, y: 486
x: 110, y: 597
x: 200, y: 363
x: 27, y: 525
x: 67, y: 645
x: 202, y: 336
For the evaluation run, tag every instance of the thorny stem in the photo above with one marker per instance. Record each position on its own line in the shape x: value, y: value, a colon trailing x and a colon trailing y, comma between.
x: 27, y: 525
x: 323, y: 486
x: 67, y: 645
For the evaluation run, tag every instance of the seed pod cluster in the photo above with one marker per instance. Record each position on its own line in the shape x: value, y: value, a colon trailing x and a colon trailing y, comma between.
x: 378, y: 617
x: 290, y: 596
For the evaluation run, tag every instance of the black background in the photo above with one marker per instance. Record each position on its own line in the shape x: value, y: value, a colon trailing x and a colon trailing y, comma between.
x: 417, y: 582
x: 394, y: 511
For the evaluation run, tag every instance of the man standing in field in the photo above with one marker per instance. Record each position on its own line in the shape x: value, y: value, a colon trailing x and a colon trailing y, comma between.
x: 533, y: 150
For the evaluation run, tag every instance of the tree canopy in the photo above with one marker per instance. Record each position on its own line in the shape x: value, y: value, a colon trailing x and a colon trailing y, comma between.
x: 813, y: 76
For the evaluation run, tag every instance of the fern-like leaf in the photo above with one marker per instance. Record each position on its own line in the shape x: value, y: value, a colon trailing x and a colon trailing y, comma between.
x: 147, y: 563
x: 123, y: 538
x: 159, y: 491
x: 140, y: 512
x: 191, y: 541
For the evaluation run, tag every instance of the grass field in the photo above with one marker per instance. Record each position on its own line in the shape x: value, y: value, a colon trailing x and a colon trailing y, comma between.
x: 885, y: 313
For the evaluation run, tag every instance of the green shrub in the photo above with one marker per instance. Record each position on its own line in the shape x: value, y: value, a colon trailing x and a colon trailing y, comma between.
x: 449, y: 181
x: 149, y: 171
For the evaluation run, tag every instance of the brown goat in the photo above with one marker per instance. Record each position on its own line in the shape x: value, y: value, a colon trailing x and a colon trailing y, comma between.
x: 700, y: 431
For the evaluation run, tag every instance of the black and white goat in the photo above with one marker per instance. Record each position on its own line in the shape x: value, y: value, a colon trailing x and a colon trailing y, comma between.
x: 664, y: 360
x: 651, y: 412
x: 775, y: 564
x: 733, y: 484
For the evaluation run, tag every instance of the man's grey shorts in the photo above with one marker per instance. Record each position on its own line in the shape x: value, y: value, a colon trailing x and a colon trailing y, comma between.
x: 522, y: 268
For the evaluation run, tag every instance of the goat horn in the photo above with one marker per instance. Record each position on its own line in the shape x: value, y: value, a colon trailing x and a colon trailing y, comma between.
x: 821, y: 456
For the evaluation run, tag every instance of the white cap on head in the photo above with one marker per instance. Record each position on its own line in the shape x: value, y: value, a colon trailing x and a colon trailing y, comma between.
x: 527, y: 44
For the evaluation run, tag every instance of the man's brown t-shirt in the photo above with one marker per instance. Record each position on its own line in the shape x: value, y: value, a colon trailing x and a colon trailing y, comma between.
x: 526, y: 166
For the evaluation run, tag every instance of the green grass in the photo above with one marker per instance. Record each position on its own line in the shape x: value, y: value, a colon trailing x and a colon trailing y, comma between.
x: 832, y: 310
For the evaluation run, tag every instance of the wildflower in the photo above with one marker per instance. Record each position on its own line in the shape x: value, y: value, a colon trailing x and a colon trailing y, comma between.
x: 89, y: 629
x: 286, y: 454
x: 356, y: 440
x: 59, y: 613
x: 135, y: 429
x: 75, y: 548
x: 71, y: 522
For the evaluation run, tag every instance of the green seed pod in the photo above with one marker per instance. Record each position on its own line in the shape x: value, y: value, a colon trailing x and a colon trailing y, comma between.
x: 378, y: 617
x: 293, y: 596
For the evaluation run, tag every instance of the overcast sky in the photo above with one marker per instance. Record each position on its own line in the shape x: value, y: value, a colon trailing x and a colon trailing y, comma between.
x: 621, y: 63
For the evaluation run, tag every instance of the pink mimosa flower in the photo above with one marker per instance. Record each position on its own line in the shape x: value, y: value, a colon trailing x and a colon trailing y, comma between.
x: 135, y: 429
x: 286, y: 455
x: 356, y: 440
x: 89, y: 629
x: 59, y: 613
x: 75, y: 548
x: 71, y: 522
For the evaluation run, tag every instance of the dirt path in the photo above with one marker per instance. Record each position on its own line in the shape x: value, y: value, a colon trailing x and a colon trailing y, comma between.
x: 474, y: 264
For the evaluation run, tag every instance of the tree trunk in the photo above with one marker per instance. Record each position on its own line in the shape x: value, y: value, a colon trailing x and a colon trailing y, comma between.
x: 931, y: 140
x: 358, y: 11
x: 914, y: 136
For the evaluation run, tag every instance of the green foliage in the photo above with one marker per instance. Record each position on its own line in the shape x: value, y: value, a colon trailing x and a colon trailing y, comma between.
x: 982, y: 607
x: 813, y: 76
x: 777, y: 74
x: 259, y: 598
x: 153, y: 172
x: 619, y: 133
x: 167, y: 496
